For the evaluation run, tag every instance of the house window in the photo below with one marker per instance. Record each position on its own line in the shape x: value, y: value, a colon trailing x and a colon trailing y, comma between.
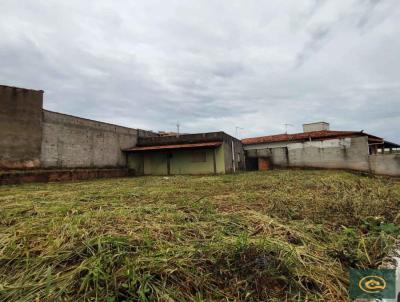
x: 199, y: 157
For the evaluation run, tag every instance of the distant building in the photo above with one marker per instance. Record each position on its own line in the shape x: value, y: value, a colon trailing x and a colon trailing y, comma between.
x: 319, y: 147
x: 201, y: 153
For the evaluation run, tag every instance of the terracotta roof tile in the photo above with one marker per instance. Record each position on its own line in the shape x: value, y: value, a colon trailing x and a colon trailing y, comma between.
x: 325, y: 134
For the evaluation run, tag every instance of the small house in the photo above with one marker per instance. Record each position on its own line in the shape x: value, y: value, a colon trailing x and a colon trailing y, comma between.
x: 319, y: 147
x: 200, y: 153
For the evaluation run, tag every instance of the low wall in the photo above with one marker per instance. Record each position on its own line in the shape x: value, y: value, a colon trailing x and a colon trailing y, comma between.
x: 19, y: 177
x: 73, y: 142
x: 344, y: 153
x: 385, y: 164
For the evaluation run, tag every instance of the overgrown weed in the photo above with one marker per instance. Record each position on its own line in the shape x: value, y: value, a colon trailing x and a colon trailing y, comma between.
x: 276, y: 236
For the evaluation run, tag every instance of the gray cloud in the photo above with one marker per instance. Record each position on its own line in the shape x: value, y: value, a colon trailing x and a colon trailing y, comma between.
x: 317, y: 37
x: 369, y: 6
x: 212, y: 65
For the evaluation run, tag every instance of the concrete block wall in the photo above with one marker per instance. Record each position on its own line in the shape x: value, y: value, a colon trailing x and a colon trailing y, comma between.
x: 33, y: 138
x: 344, y: 153
x: 73, y: 142
x: 385, y: 164
x: 318, y: 126
x: 20, y: 127
x: 280, y: 157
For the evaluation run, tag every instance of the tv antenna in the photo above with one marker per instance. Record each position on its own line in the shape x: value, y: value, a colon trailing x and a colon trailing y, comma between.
x: 286, y: 127
x: 237, y: 131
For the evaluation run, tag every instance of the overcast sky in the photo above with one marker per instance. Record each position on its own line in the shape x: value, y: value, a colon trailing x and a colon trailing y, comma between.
x: 211, y: 65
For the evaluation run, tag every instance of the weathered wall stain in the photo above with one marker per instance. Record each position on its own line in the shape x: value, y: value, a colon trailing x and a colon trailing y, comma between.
x: 20, y: 127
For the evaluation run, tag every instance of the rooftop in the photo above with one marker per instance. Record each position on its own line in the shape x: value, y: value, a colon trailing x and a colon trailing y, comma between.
x: 193, y: 138
x: 20, y: 88
x: 175, y: 146
x: 324, y: 134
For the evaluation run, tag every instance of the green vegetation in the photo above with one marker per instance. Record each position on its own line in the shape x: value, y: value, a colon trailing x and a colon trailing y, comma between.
x: 276, y: 236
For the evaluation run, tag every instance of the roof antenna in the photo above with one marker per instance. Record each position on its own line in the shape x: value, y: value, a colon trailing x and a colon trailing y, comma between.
x: 237, y: 131
x: 286, y: 127
x: 178, y: 126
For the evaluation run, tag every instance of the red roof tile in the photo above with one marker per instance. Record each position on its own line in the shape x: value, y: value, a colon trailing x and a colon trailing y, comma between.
x: 325, y: 134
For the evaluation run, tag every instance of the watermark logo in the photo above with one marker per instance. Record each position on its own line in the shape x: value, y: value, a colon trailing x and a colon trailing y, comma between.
x: 372, y: 283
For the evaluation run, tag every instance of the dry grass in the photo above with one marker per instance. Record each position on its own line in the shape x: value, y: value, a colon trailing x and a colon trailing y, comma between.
x: 276, y: 236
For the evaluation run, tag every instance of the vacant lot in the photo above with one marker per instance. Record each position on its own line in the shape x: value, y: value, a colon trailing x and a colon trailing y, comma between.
x: 282, y: 235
